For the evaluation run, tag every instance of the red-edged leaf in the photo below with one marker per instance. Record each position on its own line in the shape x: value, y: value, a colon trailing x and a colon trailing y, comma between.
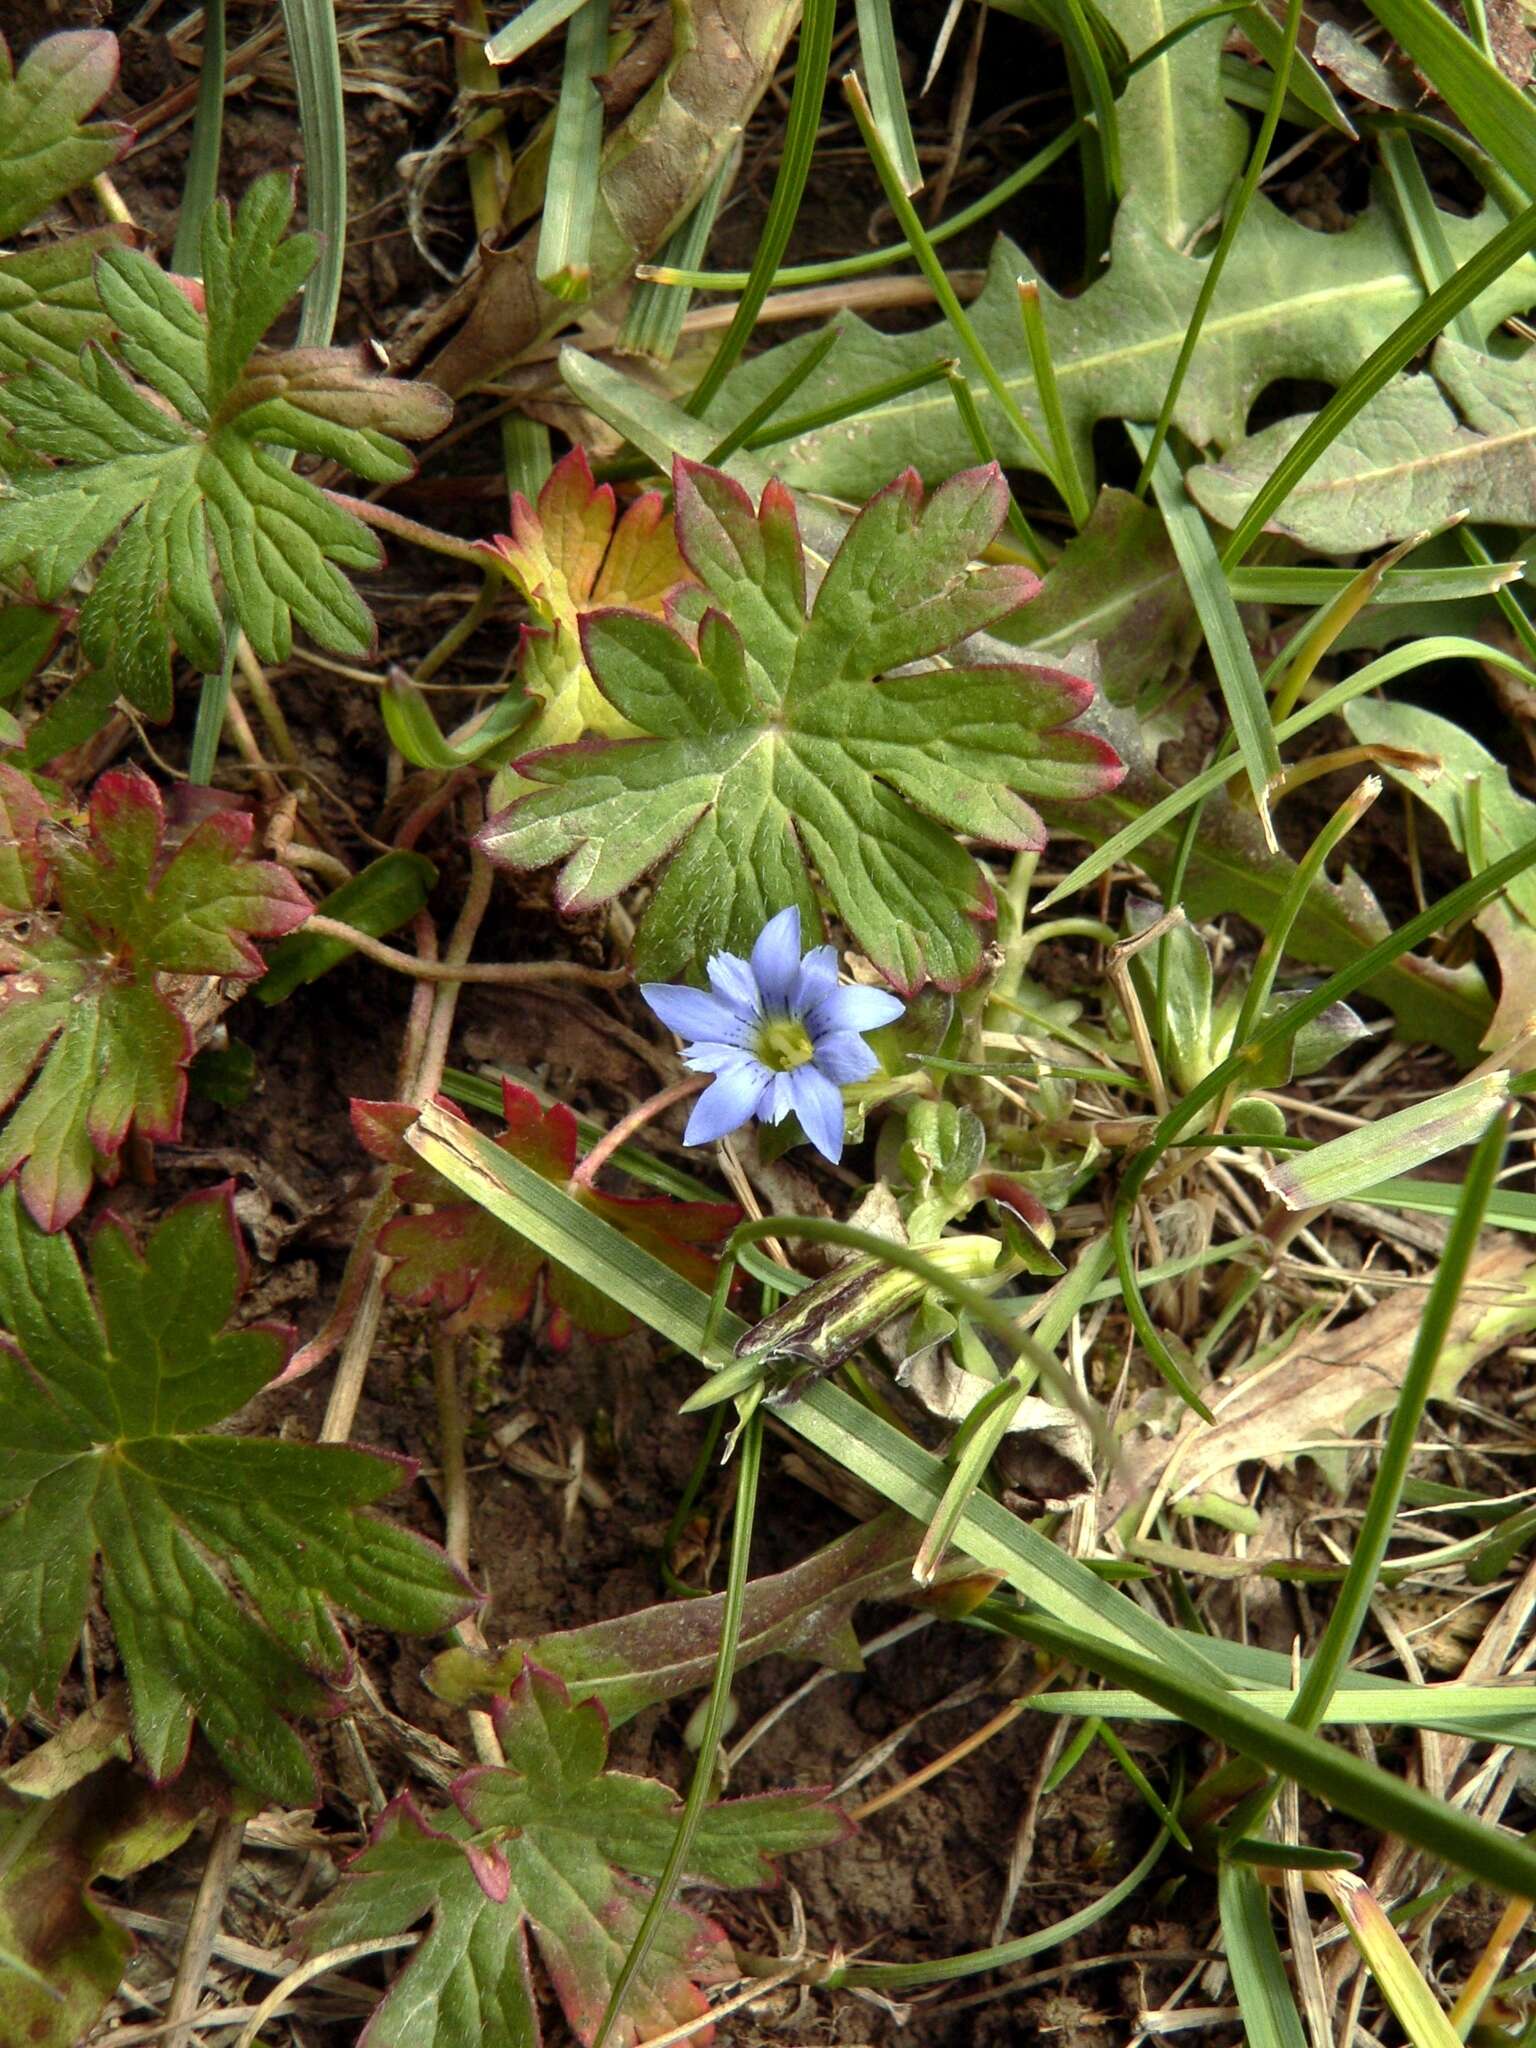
x: 551, y: 1848
x: 109, y: 1393
x: 573, y: 552
x: 453, y: 1256
x: 113, y: 934
x: 787, y: 736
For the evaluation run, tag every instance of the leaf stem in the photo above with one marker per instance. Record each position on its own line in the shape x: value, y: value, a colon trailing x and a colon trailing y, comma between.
x: 586, y: 1173
x: 402, y: 528
x: 497, y: 974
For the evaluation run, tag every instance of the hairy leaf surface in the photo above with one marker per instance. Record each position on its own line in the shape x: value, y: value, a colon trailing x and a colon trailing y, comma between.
x: 550, y: 1848
x: 105, y: 1392
x: 772, y: 748
x: 106, y: 942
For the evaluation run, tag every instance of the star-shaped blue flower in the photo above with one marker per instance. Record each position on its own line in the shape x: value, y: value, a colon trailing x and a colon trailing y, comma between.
x: 778, y: 1032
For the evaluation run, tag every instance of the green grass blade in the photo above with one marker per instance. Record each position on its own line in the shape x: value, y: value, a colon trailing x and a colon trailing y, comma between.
x: 1236, y: 213
x: 564, y: 264
x: 907, y: 1475
x: 716, y: 1714
x: 1362, y: 1790
x: 922, y: 247
x: 315, y: 50
x: 1370, y: 1549
x: 812, y: 59
x: 1069, y: 475
x: 1493, y: 110
x: 1307, y: 83
x: 976, y: 427
x: 653, y: 324
x: 200, y: 179
x: 894, y: 1978
x: 537, y: 20
x: 887, y: 95
x: 1241, y: 690
x: 1423, y: 223
x: 1122, y: 844
x: 768, y: 408
x: 1270, y: 2018
x: 1383, y: 363
x: 850, y: 406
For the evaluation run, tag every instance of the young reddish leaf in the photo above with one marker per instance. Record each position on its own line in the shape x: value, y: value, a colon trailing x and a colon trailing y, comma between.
x: 565, y: 557
x: 551, y: 1847
x: 102, y: 1398
x: 781, y: 741
x: 97, y: 972
x: 45, y: 151
x: 459, y: 1260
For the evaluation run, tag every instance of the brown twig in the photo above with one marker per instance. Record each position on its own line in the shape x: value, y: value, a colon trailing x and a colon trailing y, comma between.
x: 203, y: 1927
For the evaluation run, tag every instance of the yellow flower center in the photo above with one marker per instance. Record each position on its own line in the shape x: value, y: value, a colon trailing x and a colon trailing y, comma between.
x: 783, y: 1044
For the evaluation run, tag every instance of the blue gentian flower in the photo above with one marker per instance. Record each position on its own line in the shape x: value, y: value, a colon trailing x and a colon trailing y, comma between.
x: 778, y: 1032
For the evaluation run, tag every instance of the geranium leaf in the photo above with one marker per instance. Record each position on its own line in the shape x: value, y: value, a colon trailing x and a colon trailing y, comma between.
x: 45, y: 151
x: 455, y: 1257
x: 96, y: 972
x: 572, y: 552
x: 772, y: 748
x: 551, y: 1848
x: 103, y: 1390
x: 170, y: 452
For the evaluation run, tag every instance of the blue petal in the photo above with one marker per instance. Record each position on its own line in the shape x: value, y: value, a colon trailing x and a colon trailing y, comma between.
x: 727, y: 1103
x: 817, y: 979
x: 693, y: 1014
x: 779, y: 1102
x: 819, y: 1107
x: 731, y: 979
x: 776, y: 961
x: 854, y: 1009
x: 843, y: 1057
x: 704, y: 1056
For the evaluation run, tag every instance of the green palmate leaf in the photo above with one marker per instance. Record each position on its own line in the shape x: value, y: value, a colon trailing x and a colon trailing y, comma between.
x: 62, y: 1951
x: 169, y: 454
x: 102, y: 1401
x: 48, y: 303
x: 1291, y: 303
x: 773, y: 746
x: 551, y: 1847
x: 658, y: 1653
x: 46, y: 148
x: 1428, y: 447
x: 570, y: 554
x: 451, y: 1255
x: 108, y: 934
